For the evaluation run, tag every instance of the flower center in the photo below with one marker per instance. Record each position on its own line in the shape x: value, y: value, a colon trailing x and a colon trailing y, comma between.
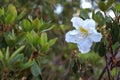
x: 83, y: 31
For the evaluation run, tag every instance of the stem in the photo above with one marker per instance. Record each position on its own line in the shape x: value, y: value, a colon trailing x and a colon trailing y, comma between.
x: 101, y: 75
x: 5, y: 73
x: 110, y: 45
x: 107, y: 68
x: 110, y: 61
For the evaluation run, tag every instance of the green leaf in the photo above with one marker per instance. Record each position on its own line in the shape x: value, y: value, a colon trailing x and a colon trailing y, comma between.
x: 45, y: 48
x: 84, y: 14
x: 36, y: 24
x: 2, y: 12
x: 32, y: 38
x: 105, y: 6
x: 98, y: 17
x: 20, y: 38
x: 102, y: 49
x: 10, y: 38
x: 101, y: 17
x: 15, y: 59
x: 35, y: 70
x: 10, y: 14
x: 27, y: 65
x: 74, y: 65
x: 115, y: 31
x: 26, y: 25
x: 21, y: 15
x: 48, y: 29
x: 7, y: 53
x: 51, y: 42
x: 44, y: 26
x: 102, y: 6
x: 109, y: 3
x: 1, y: 56
x: 16, y: 52
x: 96, y: 61
x: 43, y: 39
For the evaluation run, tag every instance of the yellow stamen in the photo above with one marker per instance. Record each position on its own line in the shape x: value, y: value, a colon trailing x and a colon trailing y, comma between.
x: 84, y: 31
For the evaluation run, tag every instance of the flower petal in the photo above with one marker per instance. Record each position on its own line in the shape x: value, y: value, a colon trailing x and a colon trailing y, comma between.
x: 76, y: 22
x: 72, y: 36
x: 89, y: 23
x: 84, y: 46
x: 95, y: 37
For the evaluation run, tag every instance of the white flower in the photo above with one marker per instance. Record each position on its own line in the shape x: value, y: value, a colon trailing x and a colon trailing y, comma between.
x: 85, y: 4
x: 58, y: 9
x: 84, y: 34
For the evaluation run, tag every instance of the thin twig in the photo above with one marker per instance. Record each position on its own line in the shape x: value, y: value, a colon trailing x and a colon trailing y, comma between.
x: 107, y: 68
x: 110, y: 61
x: 110, y: 45
x: 101, y: 75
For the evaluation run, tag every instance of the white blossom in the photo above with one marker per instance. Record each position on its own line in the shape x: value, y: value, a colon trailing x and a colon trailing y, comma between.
x: 58, y: 9
x: 85, y: 4
x: 84, y: 35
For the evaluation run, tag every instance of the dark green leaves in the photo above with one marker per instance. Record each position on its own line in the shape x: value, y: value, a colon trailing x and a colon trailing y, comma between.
x: 115, y: 31
x: 98, y: 17
x: 104, y: 6
x: 84, y: 13
x: 75, y: 64
x: 100, y: 48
